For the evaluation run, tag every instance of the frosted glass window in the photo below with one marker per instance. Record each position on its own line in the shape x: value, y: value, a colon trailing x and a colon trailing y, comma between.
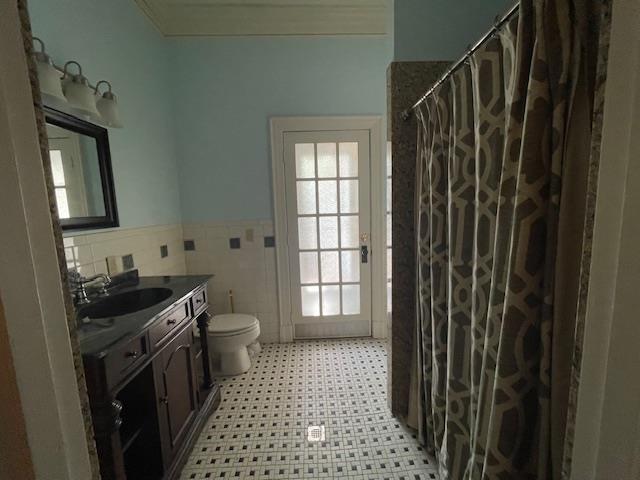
x: 389, y: 197
x: 306, y: 197
x: 328, y: 232
x: 328, y: 196
x: 308, y: 267
x: 349, y: 159
x: 329, y: 267
x: 57, y: 169
x: 351, y: 299
x: 310, y: 301
x: 350, y: 266
x: 389, y: 304
x: 389, y: 230
x: 349, y: 230
x: 305, y: 161
x: 348, y: 196
x: 389, y: 269
x: 62, y: 202
x: 307, y: 233
x: 327, y: 160
x: 331, y: 300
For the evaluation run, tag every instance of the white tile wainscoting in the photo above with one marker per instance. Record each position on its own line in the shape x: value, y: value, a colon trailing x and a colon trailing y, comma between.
x: 240, y: 254
x: 249, y: 269
x: 88, y: 252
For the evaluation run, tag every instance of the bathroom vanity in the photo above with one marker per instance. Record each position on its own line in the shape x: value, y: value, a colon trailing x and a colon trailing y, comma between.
x: 147, y: 368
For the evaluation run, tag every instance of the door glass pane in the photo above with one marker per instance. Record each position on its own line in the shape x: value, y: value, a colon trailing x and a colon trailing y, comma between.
x: 349, y: 230
x: 348, y: 196
x: 349, y: 159
x: 328, y: 196
x: 331, y: 300
x: 389, y: 231
x: 327, y: 160
x: 307, y: 233
x: 329, y: 267
x: 309, y: 267
x: 62, y: 202
x: 306, y: 197
x: 350, y: 266
x: 57, y: 170
x: 305, y: 162
x: 389, y: 264
x: 310, y: 301
x: 389, y: 195
x: 328, y: 232
x: 351, y: 299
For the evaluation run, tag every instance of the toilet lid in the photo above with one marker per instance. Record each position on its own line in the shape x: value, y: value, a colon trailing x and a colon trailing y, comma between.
x: 232, y: 322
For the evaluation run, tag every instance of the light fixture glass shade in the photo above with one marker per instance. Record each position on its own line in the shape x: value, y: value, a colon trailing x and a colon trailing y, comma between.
x: 108, y: 108
x: 48, y: 77
x: 79, y: 95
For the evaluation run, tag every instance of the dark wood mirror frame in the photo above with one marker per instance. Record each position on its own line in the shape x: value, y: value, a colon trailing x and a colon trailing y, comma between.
x: 100, y: 134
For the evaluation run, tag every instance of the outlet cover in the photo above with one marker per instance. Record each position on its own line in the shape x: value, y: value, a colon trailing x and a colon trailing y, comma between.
x: 269, y: 242
x: 127, y: 262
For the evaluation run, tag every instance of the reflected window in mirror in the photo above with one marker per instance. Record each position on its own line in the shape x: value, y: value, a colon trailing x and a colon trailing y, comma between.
x: 81, y: 171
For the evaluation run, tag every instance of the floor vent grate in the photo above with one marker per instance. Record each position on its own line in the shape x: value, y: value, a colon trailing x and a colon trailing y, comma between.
x: 315, y: 433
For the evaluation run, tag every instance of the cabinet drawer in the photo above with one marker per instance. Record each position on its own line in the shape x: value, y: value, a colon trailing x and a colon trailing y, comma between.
x: 199, y: 300
x: 160, y: 330
x: 123, y: 359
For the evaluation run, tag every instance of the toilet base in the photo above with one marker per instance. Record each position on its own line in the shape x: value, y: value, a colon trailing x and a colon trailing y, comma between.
x: 236, y: 362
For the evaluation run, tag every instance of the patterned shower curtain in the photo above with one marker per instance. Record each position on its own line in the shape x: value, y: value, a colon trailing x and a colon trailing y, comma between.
x: 496, y: 142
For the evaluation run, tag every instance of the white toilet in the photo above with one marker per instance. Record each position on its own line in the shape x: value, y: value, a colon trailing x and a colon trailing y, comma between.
x: 229, y: 336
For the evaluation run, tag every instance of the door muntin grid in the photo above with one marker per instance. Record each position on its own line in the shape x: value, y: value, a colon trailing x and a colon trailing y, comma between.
x: 328, y: 227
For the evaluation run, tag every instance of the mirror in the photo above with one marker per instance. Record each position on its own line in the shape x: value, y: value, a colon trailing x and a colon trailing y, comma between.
x: 81, y: 170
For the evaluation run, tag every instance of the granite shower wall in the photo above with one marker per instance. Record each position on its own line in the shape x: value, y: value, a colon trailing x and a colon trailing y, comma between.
x: 241, y: 255
x: 407, y: 81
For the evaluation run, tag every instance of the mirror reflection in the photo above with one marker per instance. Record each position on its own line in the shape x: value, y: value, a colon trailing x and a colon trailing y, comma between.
x: 76, y: 173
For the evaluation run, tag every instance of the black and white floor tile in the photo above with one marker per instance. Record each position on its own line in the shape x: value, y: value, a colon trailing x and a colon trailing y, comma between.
x: 260, y: 429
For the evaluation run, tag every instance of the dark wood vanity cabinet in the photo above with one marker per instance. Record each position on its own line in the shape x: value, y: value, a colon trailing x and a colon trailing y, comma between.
x: 151, y: 395
x: 176, y: 391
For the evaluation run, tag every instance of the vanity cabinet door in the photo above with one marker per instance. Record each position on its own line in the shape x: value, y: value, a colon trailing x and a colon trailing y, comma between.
x: 176, y: 392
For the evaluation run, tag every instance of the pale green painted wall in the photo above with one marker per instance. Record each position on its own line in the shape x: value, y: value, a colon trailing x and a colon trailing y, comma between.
x: 227, y: 88
x: 196, y: 139
x: 112, y: 40
x: 441, y: 29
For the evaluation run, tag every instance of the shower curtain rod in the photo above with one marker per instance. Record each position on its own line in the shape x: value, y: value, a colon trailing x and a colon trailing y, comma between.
x: 470, y: 51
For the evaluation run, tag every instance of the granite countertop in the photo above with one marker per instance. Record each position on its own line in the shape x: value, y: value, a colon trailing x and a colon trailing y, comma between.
x: 100, y: 335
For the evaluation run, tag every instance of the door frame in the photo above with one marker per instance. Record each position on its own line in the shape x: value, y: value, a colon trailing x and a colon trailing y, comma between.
x: 606, y: 441
x: 35, y: 321
x: 373, y: 124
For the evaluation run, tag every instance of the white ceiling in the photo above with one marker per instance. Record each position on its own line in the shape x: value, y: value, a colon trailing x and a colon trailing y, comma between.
x: 267, y: 17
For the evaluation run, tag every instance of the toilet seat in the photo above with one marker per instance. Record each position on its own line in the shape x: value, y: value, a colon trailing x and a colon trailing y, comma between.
x: 231, y: 324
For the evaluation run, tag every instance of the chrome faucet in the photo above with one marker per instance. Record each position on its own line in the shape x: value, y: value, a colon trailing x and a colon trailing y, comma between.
x: 79, y: 285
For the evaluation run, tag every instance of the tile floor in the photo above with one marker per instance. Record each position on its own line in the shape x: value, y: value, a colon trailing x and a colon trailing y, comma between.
x: 260, y: 428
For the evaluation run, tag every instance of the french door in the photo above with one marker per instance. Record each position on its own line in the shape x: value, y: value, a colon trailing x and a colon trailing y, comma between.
x: 328, y: 224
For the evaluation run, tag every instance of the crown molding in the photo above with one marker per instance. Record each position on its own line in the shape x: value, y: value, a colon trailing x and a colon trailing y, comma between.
x: 267, y: 17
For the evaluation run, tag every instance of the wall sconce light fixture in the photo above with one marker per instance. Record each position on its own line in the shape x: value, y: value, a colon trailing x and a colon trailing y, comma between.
x: 73, y: 93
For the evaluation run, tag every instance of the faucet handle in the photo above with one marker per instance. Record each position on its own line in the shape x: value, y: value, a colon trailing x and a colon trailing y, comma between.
x: 74, y: 276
